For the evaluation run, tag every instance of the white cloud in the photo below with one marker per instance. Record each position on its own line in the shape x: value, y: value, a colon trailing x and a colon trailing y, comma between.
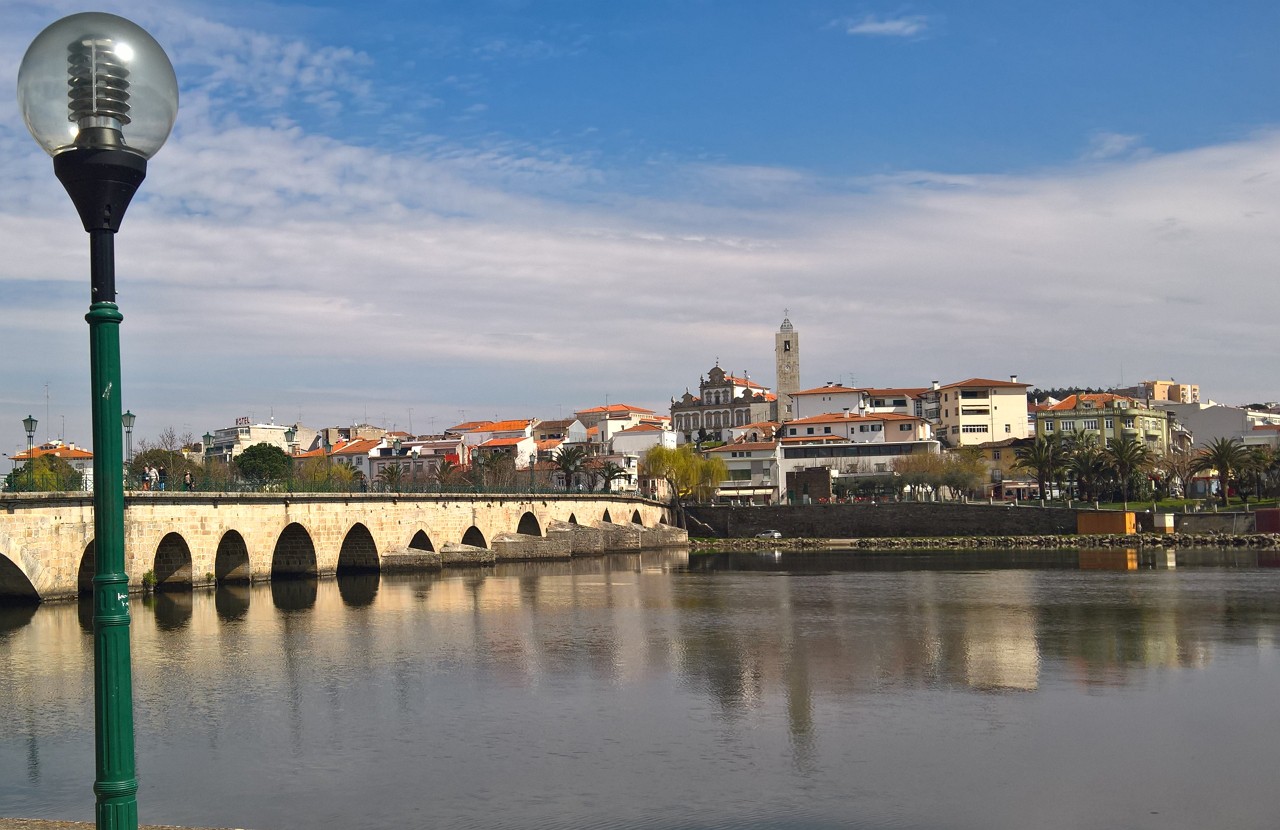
x: 873, y: 26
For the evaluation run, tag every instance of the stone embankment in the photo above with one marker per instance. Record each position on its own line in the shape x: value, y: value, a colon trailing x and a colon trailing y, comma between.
x: 1262, y: 541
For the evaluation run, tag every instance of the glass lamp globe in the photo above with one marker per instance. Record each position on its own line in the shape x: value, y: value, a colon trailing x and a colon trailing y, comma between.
x: 95, y: 80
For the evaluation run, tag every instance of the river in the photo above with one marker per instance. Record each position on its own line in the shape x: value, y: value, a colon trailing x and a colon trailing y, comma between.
x: 666, y: 690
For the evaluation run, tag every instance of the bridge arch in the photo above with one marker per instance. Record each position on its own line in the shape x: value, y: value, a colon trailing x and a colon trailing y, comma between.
x: 474, y: 537
x: 15, y: 587
x: 359, y: 553
x: 421, y: 541
x: 172, y: 564
x: 294, y: 556
x: 635, y: 518
x: 529, y: 525
x: 573, y: 520
x: 231, y: 561
x: 606, y: 517
x: 88, y: 568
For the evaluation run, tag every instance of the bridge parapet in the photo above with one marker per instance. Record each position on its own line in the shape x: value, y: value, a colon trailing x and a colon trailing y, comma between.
x: 183, y: 539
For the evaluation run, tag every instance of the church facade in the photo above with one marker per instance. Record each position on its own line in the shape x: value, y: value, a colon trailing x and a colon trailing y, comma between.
x: 723, y: 401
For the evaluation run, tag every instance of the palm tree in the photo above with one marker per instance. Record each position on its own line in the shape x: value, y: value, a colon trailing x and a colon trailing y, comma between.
x: 1044, y: 457
x: 1226, y: 456
x: 609, y: 473
x: 1126, y: 455
x: 1088, y: 466
x: 391, y: 478
x: 569, y: 461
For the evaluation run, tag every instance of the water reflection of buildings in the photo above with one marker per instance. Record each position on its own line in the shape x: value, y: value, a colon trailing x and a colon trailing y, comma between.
x: 778, y: 642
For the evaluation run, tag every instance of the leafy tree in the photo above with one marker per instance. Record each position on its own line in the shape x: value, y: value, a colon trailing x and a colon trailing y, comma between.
x: 263, y: 464
x: 687, y: 474
x: 1176, y: 467
x: 1226, y: 457
x: 1127, y: 456
x: 963, y: 471
x: 175, y: 464
x: 919, y: 472
x: 45, y: 474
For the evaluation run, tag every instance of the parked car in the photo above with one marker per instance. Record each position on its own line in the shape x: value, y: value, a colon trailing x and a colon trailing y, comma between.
x: 770, y: 534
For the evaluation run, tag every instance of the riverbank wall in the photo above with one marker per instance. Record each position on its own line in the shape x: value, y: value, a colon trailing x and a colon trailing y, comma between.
x: 886, y: 520
x: 891, y: 520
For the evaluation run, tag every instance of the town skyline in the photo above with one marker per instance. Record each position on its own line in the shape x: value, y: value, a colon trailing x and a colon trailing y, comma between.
x: 486, y: 210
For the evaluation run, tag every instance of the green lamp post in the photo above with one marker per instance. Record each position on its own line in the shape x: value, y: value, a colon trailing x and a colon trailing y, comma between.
x: 100, y: 96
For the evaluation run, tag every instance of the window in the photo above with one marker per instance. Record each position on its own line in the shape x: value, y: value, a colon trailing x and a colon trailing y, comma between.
x: 899, y: 401
x: 974, y: 428
x: 1110, y: 422
x: 1128, y: 423
x: 876, y: 427
x: 877, y: 401
x: 1048, y: 426
x: 809, y: 430
x: 1008, y: 428
x: 975, y: 410
x: 995, y: 455
x: 786, y: 345
x: 826, y: 430
x: 955, y: 430
x: 1067, y: 426
x: 862, y: 427
x: 975, y: 395
x: 1091, y: 423
x: 904, y: 427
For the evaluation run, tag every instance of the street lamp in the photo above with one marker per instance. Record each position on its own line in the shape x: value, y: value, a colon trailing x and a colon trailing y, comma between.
x: 29, y: 424
x: 127, y: 419
x: 99, y: 95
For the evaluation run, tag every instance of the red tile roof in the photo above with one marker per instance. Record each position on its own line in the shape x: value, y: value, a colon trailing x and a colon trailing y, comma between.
x: 985, y: 382
x: 613, y: 407
x: 502, y: 442
x: 69, y: 453
x: 359, y: 446
x: 1099, y: 401
x: 826, y: 390
x: 503, y: 426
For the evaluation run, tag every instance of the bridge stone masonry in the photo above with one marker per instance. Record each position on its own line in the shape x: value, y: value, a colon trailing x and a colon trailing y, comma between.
x: 185, y: 539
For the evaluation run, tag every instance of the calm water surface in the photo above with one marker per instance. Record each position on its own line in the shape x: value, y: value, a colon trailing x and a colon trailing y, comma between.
x: 1033, y: 690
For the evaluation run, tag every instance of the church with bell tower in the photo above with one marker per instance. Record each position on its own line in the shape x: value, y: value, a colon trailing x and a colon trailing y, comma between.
x: 786, y: 356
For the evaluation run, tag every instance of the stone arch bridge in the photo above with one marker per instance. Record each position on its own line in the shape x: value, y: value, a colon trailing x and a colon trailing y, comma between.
x: 186, y: 539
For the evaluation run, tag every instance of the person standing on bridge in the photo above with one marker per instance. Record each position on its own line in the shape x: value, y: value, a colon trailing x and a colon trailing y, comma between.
x: 188, y: 481
x: 163, y: 475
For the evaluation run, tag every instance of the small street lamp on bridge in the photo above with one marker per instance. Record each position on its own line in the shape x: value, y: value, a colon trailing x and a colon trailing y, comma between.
x: 100, y: 96
x: 29, y: 424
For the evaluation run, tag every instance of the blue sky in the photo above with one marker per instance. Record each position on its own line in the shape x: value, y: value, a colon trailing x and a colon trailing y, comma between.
x: 470, y: 209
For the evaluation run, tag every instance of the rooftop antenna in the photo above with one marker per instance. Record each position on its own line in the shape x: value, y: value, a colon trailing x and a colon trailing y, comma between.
x: 411, y: 420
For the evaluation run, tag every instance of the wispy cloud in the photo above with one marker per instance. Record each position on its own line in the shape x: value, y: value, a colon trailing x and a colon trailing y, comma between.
x: 1107, y: 145
x: 440, y: 276
x: 874, y: 26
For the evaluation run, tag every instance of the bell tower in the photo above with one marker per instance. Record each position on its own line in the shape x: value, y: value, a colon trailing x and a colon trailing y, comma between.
x: 786, y: 357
